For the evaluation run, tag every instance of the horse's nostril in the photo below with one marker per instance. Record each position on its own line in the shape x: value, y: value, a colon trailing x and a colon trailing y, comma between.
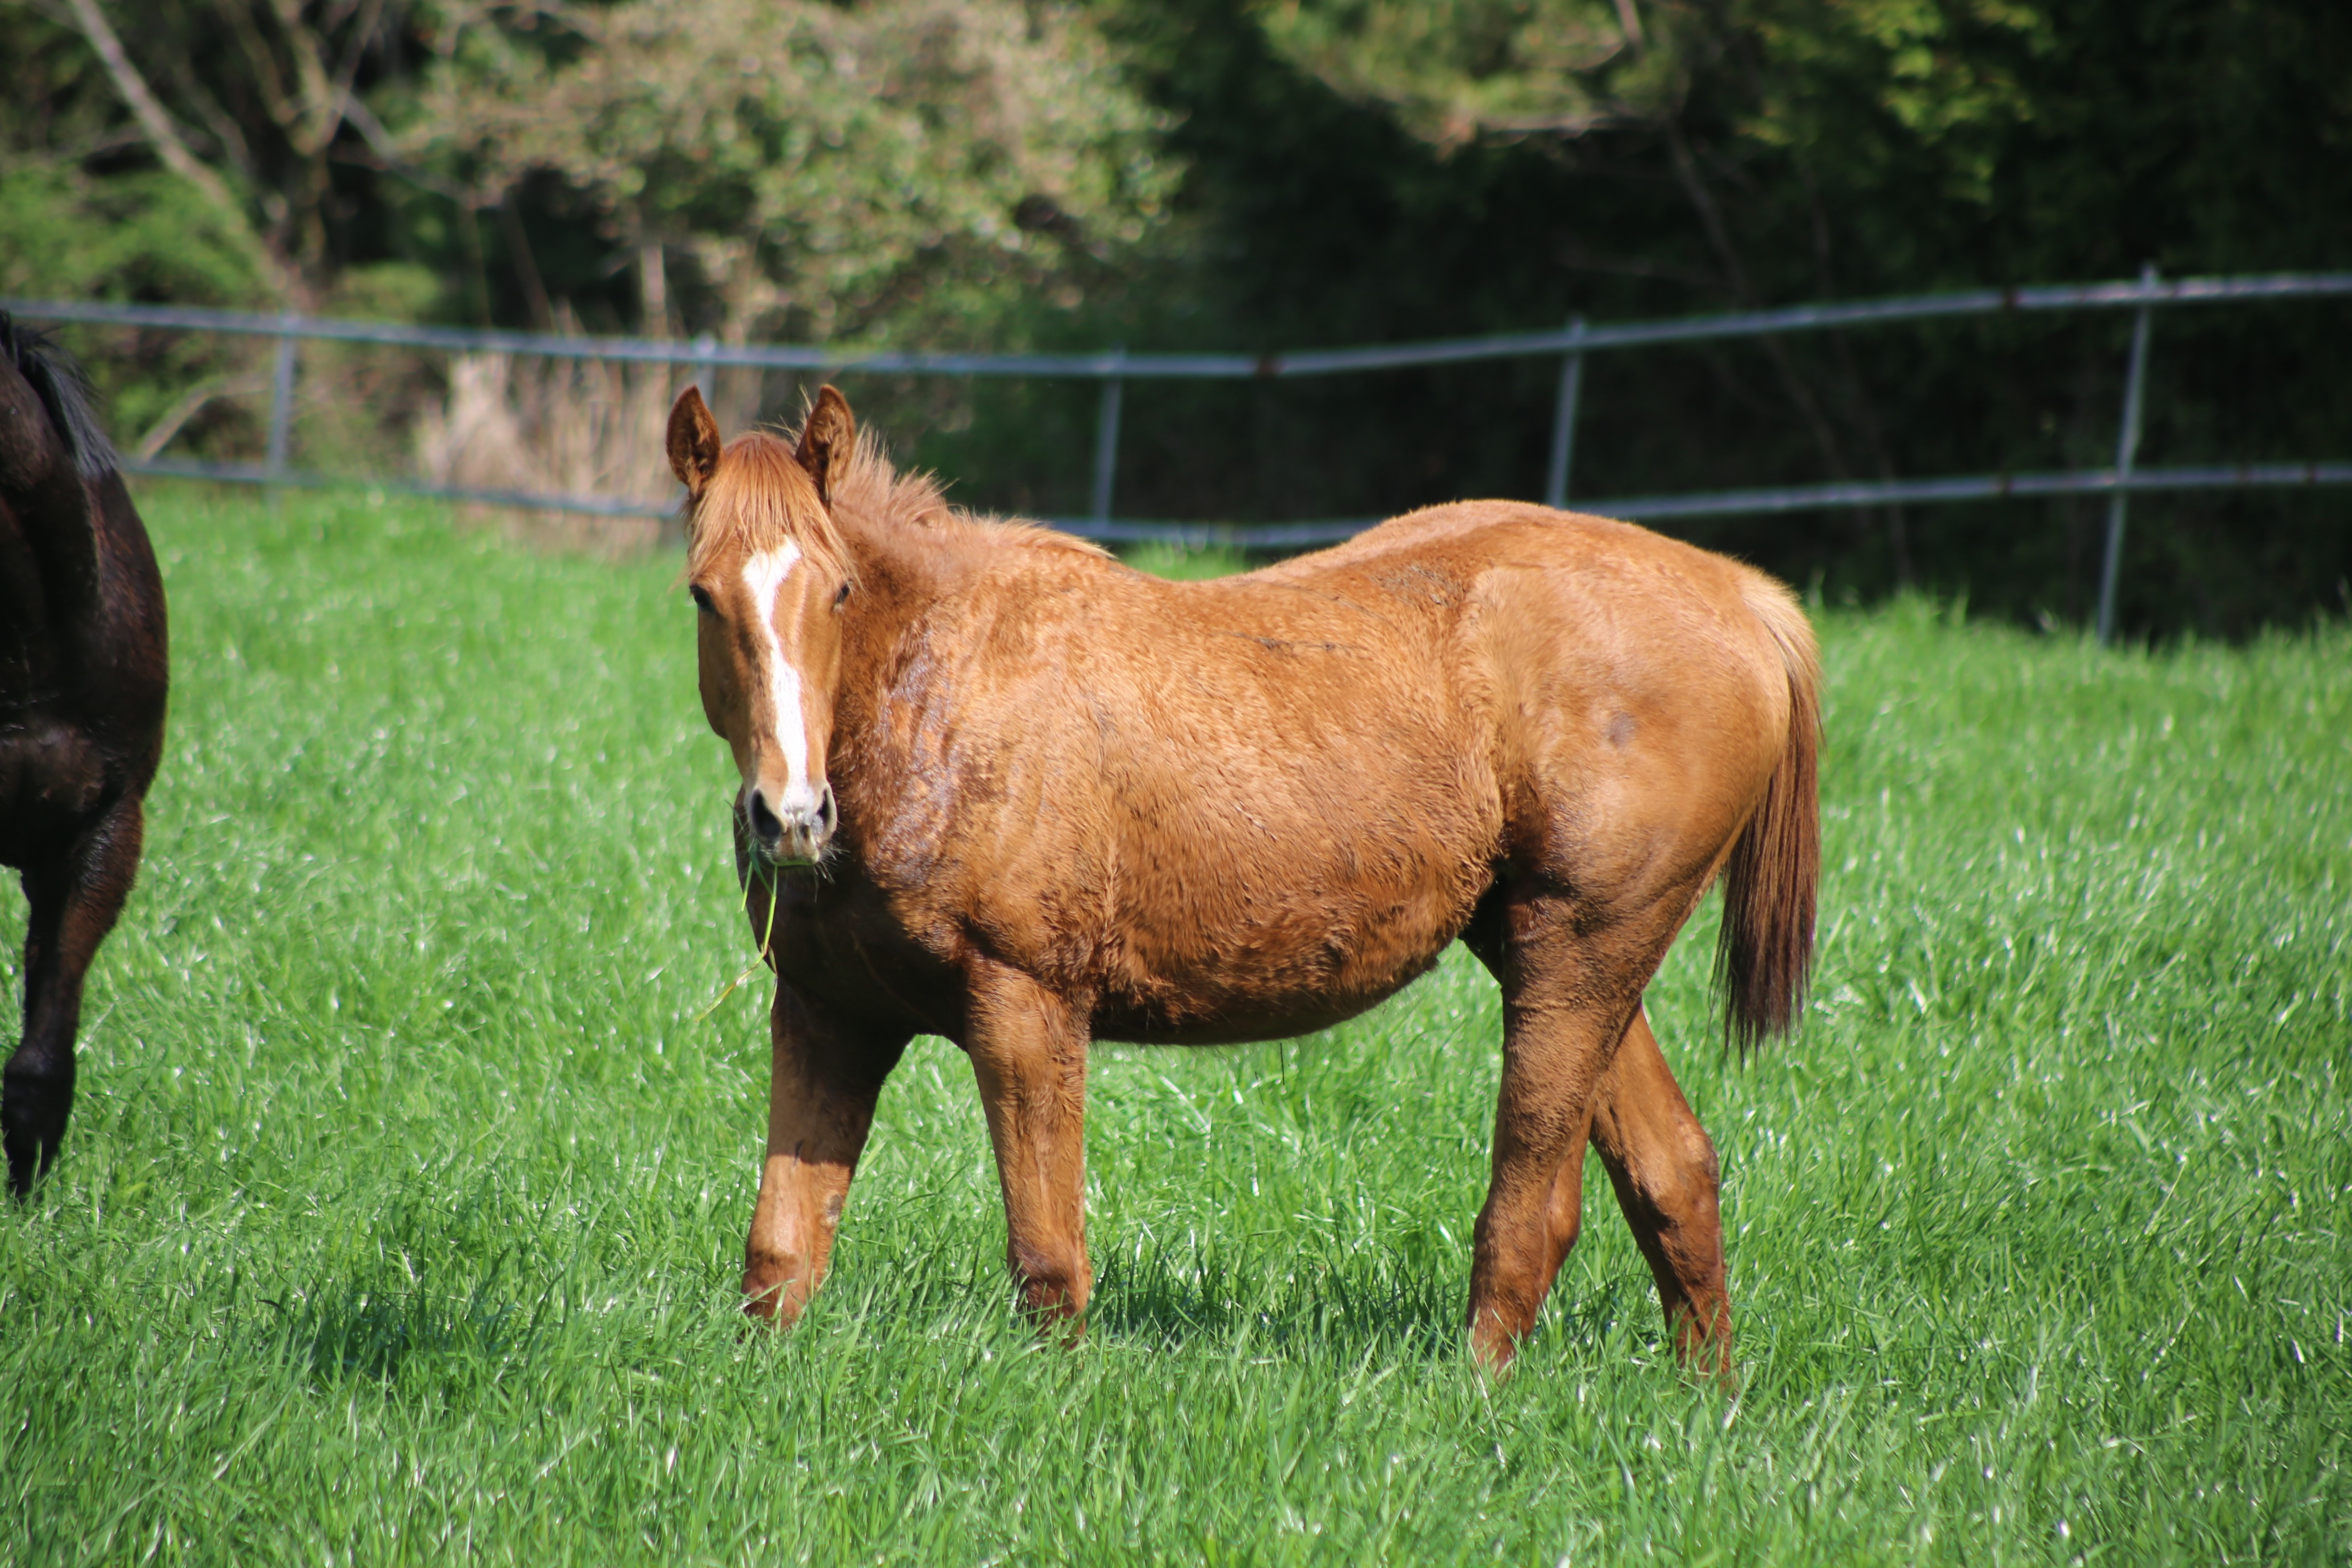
x: 763, y: 821
x: 825, y: 811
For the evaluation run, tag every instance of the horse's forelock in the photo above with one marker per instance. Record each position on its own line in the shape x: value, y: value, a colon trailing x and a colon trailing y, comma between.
x: 759, y: 499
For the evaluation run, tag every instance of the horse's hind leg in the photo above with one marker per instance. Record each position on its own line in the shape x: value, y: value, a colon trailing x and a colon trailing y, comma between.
x: 74, y: 901
x: 1663, y: 1167
x: 824, y: 1083
x: 1566, y: 1000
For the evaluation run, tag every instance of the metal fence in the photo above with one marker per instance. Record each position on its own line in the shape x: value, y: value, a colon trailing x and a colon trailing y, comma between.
x: 1113, y: 369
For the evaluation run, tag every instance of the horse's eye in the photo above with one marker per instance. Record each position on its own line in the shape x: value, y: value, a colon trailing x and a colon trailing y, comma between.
x: 841, y: 596
x: 702, y: 599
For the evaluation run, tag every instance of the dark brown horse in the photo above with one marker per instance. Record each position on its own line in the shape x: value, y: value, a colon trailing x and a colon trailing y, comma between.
x: 998, y: 787
x: 82, y: 677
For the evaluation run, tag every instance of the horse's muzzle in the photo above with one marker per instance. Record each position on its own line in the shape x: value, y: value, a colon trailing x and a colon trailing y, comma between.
x: 793, y: 835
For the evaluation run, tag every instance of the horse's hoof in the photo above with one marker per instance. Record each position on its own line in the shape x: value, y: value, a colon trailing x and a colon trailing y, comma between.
x: 31, y: 1149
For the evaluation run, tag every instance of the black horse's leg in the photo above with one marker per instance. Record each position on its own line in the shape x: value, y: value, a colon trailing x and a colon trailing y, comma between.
x: 75, y: 898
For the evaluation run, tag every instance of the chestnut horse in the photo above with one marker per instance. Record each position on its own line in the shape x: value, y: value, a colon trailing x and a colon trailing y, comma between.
x: 998, y: 787
x: 82, y: 677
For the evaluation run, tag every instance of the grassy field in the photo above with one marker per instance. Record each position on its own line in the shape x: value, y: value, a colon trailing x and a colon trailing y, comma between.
x: 401, y: 1215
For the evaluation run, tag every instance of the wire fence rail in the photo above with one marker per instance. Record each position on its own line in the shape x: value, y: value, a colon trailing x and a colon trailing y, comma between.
x: 1114, y: 368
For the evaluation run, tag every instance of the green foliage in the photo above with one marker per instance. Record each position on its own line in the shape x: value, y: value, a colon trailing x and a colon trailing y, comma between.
x: 1259, y: 174
x: 900, y: 167
x: 1802, y: 150
x: 60, y: 105
x: 1459, y: 68
x: 1950, y: 76
x: 145, y: 236
x: 142, y: 235
x: 399, y: 1216
x: 387, y: 292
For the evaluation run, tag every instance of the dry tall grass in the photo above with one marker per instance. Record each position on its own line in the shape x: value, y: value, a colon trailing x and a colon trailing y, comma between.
x: 556, y: 427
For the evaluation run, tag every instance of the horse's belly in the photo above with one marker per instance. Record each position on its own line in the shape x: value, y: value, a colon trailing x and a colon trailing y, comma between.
x: 1287, y: 963
x: 1238, y: 1016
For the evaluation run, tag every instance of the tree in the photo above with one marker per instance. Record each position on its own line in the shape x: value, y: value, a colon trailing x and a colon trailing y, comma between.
x: 1455, y: 69
x: 1356, y: 173
x: 898, y: 167
x: 248, y: 104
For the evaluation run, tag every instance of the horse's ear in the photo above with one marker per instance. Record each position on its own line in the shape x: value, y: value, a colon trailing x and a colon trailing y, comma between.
x: 693, y: 442
x: 827, y: 437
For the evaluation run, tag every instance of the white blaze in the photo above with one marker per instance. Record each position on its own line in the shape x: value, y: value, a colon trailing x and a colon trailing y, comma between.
x: 764, y: 575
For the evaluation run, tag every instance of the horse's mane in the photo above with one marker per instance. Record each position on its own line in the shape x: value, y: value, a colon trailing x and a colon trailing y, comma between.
x: 64, y: 391
x: 746, y: 504
x: 876, y: 492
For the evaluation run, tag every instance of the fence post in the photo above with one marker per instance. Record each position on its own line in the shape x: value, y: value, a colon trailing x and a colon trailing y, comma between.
x: 1107, y: 437
x: 2127, y: 450
x: 1563, y: 419
x: 281, y: 408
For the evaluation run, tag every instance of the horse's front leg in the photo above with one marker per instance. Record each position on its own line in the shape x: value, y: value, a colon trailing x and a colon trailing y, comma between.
x: 823, y: 1085
x: 1028, y: 1049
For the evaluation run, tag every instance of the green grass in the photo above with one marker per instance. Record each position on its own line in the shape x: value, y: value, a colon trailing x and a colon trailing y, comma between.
x: 401, y: 1213
x: 1185, y: 562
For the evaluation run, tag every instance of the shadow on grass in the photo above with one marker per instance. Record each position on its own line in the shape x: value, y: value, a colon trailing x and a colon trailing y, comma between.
x: 396, y: 1329
x: 1382, y: 1306
x: 373, y: 1329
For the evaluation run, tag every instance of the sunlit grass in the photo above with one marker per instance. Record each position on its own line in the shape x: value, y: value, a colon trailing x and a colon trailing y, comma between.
x: 1185, y: 562
x: 401, y: 1215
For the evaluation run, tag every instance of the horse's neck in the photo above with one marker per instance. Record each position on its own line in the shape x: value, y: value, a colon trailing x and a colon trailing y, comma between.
x: 904, y: 570
x: 908, y: 574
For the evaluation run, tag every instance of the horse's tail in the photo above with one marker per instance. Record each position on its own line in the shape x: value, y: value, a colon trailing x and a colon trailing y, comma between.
x: 65, y: 394
x: 1766, y: 946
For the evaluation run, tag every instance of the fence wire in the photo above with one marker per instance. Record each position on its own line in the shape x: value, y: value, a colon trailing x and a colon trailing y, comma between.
x: 619, y: 416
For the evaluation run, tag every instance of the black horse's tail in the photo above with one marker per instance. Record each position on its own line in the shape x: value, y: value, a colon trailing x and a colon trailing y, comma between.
x: 64, y: 391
